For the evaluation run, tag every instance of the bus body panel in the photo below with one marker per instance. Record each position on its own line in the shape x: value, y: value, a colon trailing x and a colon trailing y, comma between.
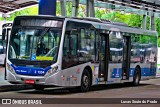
x: 71, y: 76
x: 67, y: 77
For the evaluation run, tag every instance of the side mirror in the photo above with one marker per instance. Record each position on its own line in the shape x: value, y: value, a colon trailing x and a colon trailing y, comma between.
x: 3, y: 34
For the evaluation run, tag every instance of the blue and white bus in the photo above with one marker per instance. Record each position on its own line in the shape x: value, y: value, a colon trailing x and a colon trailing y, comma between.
x: 78, y: 52
x: 6, y: 30
x: 2, y: 53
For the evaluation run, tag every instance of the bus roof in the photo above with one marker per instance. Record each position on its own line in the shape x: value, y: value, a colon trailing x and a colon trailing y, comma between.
x: 97, y: 23
x: 40, y: 17
x: 114, y: 26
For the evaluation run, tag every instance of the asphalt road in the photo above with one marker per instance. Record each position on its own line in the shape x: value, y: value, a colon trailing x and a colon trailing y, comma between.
x: 2, y: 81
x: 147, y: 89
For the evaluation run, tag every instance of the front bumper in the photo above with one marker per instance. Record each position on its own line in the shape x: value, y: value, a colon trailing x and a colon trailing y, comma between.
x: 54, y: 79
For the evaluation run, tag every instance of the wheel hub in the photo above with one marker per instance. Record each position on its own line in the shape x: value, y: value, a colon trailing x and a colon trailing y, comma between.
x: 85, y: 81
x: 137, y: 78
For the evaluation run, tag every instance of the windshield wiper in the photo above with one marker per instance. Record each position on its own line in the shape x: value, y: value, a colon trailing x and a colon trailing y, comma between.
x: 43, y: 33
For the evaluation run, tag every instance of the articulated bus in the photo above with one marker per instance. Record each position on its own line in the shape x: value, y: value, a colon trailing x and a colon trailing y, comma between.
x: 78, y: 52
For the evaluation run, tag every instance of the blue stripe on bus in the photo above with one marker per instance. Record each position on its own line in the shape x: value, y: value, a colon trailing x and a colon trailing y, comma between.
x: 145, y: 71
x: 148, y: 72
x: 117, y: 72
x: 96, y: 80
x: 132, y: 72
x: 30, y: 71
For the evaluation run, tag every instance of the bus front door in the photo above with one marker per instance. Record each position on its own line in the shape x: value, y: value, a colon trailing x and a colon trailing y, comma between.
x: 103, y: 56
x: 126, y: 57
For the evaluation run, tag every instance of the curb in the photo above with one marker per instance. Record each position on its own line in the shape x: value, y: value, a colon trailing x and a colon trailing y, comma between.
x: 15, y: 87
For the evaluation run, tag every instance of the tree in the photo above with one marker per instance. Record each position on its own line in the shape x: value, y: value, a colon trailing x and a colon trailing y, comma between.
x: 28, y: 11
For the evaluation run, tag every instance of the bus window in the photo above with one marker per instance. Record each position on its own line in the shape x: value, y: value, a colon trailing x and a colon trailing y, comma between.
x: 35, y: 44
x: 1, y: 44
x: 70, y: 45
x: 1, y: 47
x: 116, y: 47
x: 70, y: 57
x: 87, y: 44
x: 66, y: 46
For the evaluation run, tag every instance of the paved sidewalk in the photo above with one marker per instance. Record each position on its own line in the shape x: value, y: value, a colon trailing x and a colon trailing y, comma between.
x: 2, y: 81
x: 6, y: 86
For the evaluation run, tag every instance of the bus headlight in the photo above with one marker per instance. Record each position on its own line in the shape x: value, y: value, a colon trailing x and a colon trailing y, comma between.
x: 10, y: 68
x: 51, y: 71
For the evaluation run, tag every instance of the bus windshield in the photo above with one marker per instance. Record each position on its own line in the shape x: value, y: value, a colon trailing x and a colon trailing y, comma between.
x: 36, y: 44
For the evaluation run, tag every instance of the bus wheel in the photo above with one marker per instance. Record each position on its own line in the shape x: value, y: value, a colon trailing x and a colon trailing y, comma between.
x: 85, y: 81
x: 38, y: 87
x: 136, y: 78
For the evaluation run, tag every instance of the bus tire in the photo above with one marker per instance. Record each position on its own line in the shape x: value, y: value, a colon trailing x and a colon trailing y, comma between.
x: 85, y: 81
x: 38, y: 87
x: 136, y: 77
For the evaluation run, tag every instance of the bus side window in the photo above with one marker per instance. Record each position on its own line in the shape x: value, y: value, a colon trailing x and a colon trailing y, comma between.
x: 70, y: 45
x: 70, y: 57
x: 116, y: 45
x: 86, y: 45
x: 66, y: 45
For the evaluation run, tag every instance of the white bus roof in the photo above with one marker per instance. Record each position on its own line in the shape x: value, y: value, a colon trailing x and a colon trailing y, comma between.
x: 99, y: 24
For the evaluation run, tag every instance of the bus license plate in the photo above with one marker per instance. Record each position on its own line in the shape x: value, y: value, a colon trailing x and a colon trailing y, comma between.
x: 29, y: 81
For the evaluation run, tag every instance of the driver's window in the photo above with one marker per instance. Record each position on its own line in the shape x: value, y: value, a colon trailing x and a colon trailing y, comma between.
x: 73, y: 44
x: 70, y: 45
x: 66, y: 45
x: 70, y: 57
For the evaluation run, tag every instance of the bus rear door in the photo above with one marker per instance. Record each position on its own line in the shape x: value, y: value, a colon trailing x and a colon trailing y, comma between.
x: 126, y: 57
x: 104, y: 59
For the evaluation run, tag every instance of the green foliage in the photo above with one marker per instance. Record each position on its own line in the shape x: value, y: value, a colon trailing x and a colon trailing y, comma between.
x: 82, y: 11
x: 158, y: 26
x: 158, y: 42
x: 68, y: 9
x: 58, y: 9
x: 28, y: 11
